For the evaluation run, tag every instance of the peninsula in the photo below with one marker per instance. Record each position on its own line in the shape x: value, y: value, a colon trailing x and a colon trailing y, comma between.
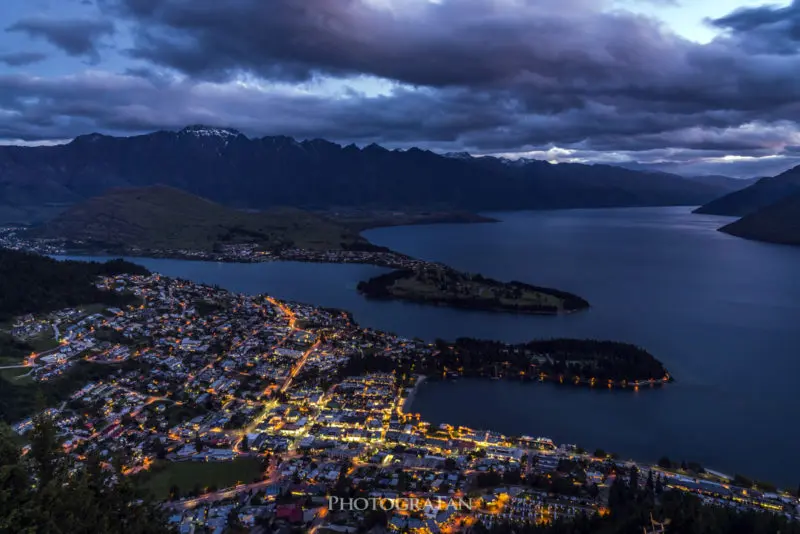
x: 165, y: 222
x: 776, y: 223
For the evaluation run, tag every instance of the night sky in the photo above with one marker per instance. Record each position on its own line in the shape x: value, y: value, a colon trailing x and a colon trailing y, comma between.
x: 687, y: 86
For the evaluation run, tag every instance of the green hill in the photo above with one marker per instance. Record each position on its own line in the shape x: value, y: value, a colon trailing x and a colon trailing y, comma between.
x: 777, y: 223
x: 160, y: 217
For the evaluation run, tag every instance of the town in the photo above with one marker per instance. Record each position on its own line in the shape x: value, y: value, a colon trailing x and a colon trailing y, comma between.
x: 246, y: 410
x: 14, y: 238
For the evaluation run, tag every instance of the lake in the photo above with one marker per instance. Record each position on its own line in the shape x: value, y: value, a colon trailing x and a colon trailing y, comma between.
x: 720, y: 312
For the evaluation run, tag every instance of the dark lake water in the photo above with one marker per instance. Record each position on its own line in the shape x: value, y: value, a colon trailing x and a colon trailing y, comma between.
x: 722, y: 313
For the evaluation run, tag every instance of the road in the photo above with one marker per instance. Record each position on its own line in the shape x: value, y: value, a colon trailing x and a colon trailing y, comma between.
x: 284, y: 309
x: 30, y: 360
x: 299, y: 365
x: 274, y: 471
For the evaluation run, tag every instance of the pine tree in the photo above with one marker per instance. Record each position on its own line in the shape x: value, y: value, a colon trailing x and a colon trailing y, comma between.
x: 47, y: 491
x: 44, y: 449
x: 159, y: 449
x: 634, y: 479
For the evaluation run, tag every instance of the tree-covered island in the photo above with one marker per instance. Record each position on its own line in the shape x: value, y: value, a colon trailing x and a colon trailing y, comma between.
x: 586, y: 362
x: 433, y: 283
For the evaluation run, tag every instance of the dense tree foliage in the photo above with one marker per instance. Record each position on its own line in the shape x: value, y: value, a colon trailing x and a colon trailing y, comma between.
x: 464, y: 290
x: 30, y: 283
x: 45, y: 491
x: 583, y: 358
x: 570, y: 358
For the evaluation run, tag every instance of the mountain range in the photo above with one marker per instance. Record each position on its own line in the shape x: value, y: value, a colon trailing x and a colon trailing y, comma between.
x: 769, y: 209
x: 229, y: 168
x: 761, y: 194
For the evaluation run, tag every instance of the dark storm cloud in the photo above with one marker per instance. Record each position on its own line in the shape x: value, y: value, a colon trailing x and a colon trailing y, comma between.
x: 480, y: 75
x: 464, y: 42
x: 20, y: 59
x: 546, y: 60
x: 76, y: 37
x: 73, y: 105
x: 450, y: 118
x: 766, y: 28
x: 446, y: 119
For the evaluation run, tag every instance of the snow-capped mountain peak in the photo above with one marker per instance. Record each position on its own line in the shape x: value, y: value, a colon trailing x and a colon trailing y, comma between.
x: 517, y: 162
x: 200, y: 130
x: 458, y: 155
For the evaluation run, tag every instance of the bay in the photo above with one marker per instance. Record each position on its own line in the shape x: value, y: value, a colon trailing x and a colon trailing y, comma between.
x: 719, y: 311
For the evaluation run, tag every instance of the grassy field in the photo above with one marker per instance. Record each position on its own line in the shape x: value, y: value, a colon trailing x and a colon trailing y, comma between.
x: 12, y: 375
x: 6, y: 359
x: 13, y: 351
x: 190, y: 475
x: 44, y: 341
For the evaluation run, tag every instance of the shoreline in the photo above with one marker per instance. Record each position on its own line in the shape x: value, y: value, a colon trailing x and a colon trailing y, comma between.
x: 559, y: 379
x: 618, y: 385
x: 210, y: 258
x: 398, y: 263
x: 467, y: 307
x: 413, y: 219
x: 409, y: 400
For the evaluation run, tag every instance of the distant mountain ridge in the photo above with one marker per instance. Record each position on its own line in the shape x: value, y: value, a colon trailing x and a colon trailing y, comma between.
x: 725, y: 182
x: 225, y: 166
x: 761, y: 194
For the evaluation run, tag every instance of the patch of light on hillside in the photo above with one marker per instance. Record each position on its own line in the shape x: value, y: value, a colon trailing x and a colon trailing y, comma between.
x: 566, y: 155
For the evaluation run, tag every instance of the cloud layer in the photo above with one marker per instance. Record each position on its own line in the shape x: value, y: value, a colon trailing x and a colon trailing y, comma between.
x: 76, y: 37
x: 490, y: 76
